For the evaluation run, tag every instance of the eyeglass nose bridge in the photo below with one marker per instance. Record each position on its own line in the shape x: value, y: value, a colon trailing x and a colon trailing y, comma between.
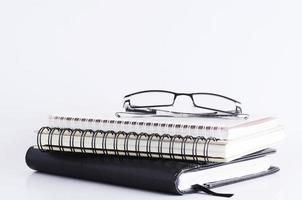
x: 183, y: 94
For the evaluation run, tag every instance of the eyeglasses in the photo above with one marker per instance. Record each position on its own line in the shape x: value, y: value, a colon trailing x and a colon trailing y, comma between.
x: 152, y: 102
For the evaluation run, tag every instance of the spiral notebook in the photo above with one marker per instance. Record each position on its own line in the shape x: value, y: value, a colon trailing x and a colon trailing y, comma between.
x: 185, y: 139
x: 220, y: 128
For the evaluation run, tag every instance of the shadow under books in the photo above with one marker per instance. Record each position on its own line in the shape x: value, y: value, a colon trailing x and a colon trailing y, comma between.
x: 50, y: 183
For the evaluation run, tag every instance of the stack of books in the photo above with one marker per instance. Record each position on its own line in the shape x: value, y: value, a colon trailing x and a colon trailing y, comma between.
x: 166, y: 154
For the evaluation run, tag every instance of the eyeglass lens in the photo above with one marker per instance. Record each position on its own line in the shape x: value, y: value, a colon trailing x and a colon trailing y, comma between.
x: 157, y: 98
x: 152, y: 99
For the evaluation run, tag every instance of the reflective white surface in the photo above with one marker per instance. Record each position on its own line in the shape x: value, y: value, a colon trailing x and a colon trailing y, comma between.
x: 74, y: 56
x: 18, y: 181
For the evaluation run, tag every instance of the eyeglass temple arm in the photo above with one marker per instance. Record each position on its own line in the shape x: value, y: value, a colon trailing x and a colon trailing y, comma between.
x: 148, y: 110
x: 128, y: 108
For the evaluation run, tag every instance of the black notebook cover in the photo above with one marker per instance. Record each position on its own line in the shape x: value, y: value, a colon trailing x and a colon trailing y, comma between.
x: 149, y: 174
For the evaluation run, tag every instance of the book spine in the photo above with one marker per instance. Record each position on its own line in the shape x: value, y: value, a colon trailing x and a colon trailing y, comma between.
x: 119, y: 171
x: 124, y: 144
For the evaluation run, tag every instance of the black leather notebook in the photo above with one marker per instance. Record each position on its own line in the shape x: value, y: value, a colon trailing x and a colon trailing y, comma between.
x: 169, y: 176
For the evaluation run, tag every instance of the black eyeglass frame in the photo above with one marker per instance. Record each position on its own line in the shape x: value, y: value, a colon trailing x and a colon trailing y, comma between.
x: 236, y: 112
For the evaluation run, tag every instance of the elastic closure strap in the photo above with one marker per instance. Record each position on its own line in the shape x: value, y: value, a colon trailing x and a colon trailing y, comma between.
x: 200, y: 188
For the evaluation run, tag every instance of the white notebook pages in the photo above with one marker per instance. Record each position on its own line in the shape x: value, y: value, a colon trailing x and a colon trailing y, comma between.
x: 220, y: 128
x: 237, y: 169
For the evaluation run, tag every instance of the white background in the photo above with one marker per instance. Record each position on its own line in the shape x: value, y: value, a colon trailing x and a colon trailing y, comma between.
x: 82, y: 57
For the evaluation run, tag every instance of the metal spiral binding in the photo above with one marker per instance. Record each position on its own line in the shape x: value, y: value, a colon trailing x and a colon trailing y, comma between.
x: 71, y: 139
x: 104, y: 142
x: 176, y: 127
x: 149, y: 140
x: 61, y: 135
x: 93, y: 141
x: 137, y: 137
x: 137, y: 143
x: 39, y: 137
x: 82, y: 140
x: 171, y: 145
x: 194, y: 149
x: 126, y: 142
x: 183, y: 146
x: 115, y: 141
x: 160, y: 144
x: 50, y: 135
